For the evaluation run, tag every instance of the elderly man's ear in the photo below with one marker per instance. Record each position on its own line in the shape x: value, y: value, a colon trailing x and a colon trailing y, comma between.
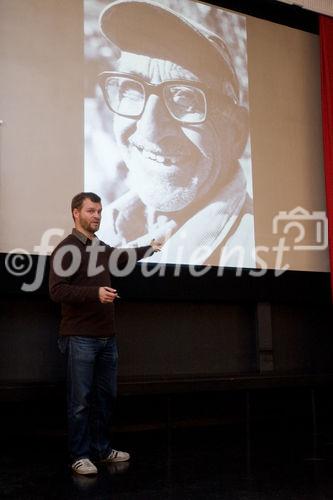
x: 240, y: 120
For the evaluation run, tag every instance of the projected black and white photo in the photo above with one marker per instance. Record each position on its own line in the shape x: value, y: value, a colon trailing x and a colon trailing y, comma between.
x: 167, y: 143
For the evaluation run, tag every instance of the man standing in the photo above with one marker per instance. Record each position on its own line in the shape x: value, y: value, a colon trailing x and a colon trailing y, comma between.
x: 80, y: 279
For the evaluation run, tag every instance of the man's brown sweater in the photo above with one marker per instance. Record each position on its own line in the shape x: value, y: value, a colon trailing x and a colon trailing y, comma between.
x: 78, y: 268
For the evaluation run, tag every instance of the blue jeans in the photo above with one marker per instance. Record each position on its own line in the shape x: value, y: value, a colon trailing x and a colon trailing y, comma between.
x: 91, y: 391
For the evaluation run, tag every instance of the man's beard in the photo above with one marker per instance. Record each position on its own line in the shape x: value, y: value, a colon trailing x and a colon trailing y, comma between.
x: 161, y: 194
x: 89, y: 226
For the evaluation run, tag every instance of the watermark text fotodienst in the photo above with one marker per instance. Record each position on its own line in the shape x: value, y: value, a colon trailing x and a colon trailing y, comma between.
x: 297, y: 230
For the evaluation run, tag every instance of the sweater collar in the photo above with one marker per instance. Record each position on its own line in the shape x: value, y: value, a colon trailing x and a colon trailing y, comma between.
x: 82, y: 237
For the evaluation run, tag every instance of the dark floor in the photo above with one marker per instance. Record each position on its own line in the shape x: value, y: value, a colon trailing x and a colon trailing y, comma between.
x: 277, y: 456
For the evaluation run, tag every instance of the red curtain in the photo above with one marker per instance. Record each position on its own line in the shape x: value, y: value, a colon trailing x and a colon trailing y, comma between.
x: 326, y: 61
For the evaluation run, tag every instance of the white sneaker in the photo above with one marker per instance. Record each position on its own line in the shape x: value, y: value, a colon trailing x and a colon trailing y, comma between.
x: 84, y: 466
x: 117, y: 456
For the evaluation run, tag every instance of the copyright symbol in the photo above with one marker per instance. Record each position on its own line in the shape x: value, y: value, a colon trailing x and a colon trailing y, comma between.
x: 18, y: 262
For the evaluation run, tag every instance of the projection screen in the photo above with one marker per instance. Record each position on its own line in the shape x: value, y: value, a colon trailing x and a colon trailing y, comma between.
x: 168, y: 128
x: 197, y: 126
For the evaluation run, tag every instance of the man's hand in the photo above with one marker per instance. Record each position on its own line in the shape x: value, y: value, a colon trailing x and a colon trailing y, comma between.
x: 107, y: 294
x: 156, y: 246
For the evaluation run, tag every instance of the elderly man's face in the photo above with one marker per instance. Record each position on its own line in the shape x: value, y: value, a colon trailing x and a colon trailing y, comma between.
x: 171, y: 163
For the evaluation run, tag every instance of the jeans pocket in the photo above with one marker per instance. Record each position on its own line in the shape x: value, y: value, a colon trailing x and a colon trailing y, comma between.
x: 62, y: 344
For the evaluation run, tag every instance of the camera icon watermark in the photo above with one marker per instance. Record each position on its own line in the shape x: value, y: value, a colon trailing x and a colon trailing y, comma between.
x: 298, y: 230
x: 305, y: 230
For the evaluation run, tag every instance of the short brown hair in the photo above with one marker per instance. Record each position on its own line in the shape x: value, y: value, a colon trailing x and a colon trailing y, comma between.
x: 79, y: 198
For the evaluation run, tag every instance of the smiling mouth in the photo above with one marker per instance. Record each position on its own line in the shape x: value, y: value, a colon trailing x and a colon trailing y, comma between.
x: 159, y: 156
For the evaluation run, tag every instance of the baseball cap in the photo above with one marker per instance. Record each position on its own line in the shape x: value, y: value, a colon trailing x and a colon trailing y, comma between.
x: 148, y: 28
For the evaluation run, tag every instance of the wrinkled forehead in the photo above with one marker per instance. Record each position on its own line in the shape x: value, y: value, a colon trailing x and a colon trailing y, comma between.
x: 156, y: 70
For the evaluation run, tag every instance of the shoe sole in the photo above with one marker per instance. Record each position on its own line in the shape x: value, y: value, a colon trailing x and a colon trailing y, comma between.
x: 84, y: 473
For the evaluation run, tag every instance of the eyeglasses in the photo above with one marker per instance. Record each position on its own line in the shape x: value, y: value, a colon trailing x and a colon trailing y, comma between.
x: 126, y: 95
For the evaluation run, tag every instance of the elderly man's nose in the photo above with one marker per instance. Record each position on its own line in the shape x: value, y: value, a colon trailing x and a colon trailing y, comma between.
x: 156, y: 119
